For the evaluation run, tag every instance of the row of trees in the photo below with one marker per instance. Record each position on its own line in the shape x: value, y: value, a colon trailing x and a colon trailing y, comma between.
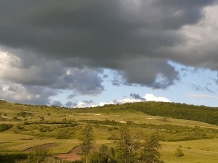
x: 129, y: 148
x: 165, y: 109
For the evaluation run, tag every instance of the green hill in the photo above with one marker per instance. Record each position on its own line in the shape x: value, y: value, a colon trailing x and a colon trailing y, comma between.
x: 173, y: 110
x: 192, y: 128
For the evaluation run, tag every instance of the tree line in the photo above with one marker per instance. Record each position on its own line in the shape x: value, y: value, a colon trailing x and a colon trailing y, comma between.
x: 165, y: 109
x: 129, y: 148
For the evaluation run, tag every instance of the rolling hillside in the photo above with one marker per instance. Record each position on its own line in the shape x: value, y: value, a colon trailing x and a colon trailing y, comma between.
x: 192, y: 128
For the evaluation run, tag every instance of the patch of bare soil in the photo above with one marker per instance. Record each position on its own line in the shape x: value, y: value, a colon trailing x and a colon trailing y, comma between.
x: 44, y: 146
x: 72, y: 156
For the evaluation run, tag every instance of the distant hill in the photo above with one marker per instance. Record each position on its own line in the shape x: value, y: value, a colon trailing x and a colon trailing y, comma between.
x: 172, y: 110
x: 192, y: 128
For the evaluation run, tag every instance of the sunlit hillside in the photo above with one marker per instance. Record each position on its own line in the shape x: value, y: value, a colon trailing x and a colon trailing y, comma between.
x: 193, y: 129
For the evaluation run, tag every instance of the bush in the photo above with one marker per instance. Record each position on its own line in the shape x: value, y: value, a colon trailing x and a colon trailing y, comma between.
x: 4, y: 127
x: 96, y: 157
x: 38, y: 155
x: 24, y: 114
x: 77, y: 161
x: 16, y: 119
x: 179, y: 153
x: 63, y: 134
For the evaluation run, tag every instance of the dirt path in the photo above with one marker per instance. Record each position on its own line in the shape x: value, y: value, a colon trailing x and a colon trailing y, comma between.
x: 44, y: 146
x: 72, y: 156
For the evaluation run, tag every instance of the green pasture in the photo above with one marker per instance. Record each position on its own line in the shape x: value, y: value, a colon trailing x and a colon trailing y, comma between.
x: 195, y: 151
x: 39, y: 125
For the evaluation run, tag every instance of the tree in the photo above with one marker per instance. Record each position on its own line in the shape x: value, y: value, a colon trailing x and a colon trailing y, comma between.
x: 126, y: 146
x: 111, y: 153
x: 87, y: 139
x: 149, y: 149
x: 104, y: 155
x: 99, y: 157
x: 37, y: 156
x: 137, y: 148
x: 94, y: 157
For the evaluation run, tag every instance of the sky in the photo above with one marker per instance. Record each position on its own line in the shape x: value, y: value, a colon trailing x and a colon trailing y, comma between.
x: 96, y: 52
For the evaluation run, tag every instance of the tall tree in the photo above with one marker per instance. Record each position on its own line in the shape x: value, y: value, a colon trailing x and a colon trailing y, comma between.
x: 134, y: 147
x: 126, y: 146
x: 149, y: 149
x: 87, y: 141
x: 100, y: 157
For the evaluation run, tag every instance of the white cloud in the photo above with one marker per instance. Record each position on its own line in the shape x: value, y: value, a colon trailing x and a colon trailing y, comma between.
x: 151, y: 97
x: 81, y: 105
x: 25, y: 94
x: 8, y: 59
x: 147, y: 97
x: 8, y: 63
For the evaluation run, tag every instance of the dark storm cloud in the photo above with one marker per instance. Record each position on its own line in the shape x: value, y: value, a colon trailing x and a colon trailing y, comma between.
x: 116, y: 82
x: 88, y: 101
x: 153, y: 73
x: 136, y: 96
x: 82, y: 81
x: 105, y: 76
x: 136, y: 38
x: 88, y: 30
x: 183, y: 69
x: 71, y: 104
x: 178, y: 13
x: 32, y: 70
x: 57, y: 103
x: 71, y: 96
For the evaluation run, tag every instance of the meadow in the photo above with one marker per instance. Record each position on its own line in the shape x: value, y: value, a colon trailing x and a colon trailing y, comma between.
x: 58, y: 129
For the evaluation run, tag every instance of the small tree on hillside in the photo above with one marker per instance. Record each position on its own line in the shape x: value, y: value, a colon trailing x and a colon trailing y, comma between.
x: 149, y: 149
x: 132, y: 147
x: 126, y: 146
x: 87, y: 139
x: 104, y: 155
x: 37, y: 156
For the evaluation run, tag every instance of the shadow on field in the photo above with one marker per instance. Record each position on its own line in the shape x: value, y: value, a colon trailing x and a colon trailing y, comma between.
x: 11, y: 158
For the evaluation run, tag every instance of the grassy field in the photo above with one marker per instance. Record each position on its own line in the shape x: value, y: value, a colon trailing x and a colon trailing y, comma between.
x: 34, y: 126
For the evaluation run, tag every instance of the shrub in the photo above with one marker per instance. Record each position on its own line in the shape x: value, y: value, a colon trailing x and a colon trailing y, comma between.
x: 4, y: 127
x: 179, y: 153
x: 77, y: 161
x: 63, y: 134
x: 16, y: 119
x: 38, y: 155
x: 24, y: 114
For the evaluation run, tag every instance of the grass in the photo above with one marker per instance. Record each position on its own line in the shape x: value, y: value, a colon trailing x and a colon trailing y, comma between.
x: 64, y: 146
x: 20, y: 142
x: 196, y: 151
